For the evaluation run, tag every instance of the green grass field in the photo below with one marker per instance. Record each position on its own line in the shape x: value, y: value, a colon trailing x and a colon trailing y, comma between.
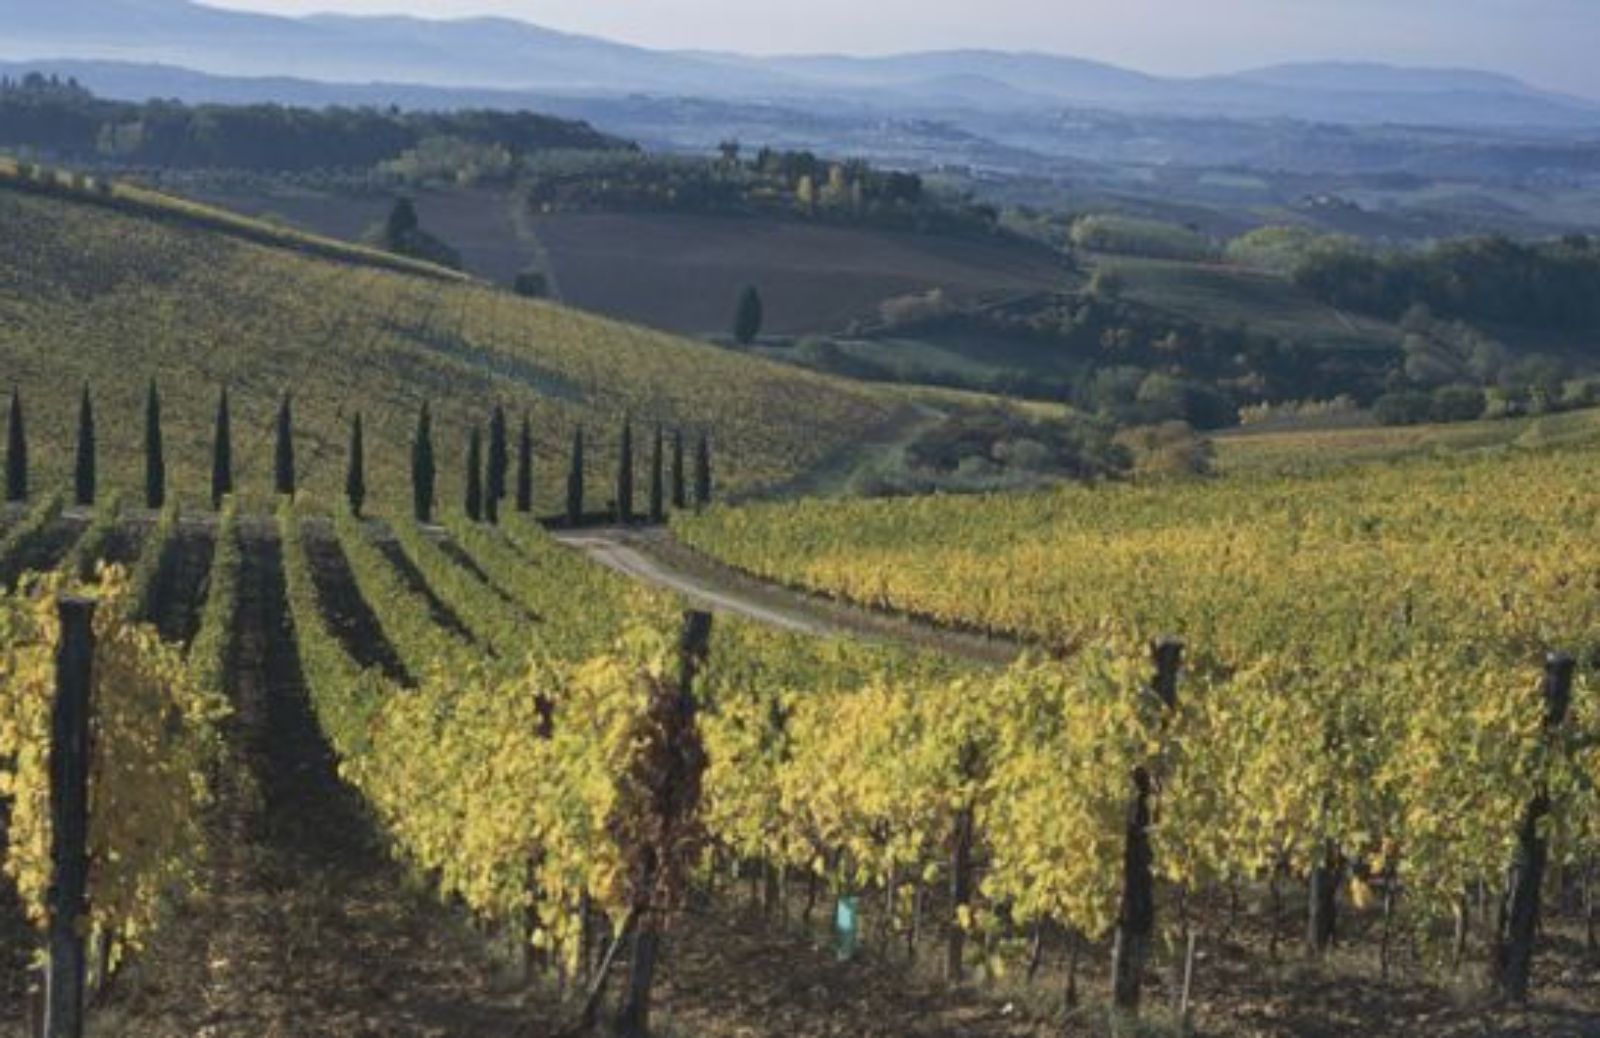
x: 113, y: 295
x: 1289, y: 451
x: 1267, y: 304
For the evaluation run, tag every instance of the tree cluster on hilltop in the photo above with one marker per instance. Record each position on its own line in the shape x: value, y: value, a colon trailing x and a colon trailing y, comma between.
x: 792, y: 184
x: 66, y: 122
x: 402, y: 234
x: 1550, y: 285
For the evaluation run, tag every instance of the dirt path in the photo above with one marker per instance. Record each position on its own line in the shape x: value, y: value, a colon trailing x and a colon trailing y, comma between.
x: 654, y: 556
x: 307, y: 926
x: 729, y: 976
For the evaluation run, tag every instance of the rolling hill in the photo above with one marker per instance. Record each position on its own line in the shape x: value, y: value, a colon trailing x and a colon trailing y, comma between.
x: 113, y: 291
x: 513, y: 55
x: 682, y: 273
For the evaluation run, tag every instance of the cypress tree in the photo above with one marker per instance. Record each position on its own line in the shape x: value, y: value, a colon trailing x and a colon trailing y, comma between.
x: 16, y: 452
x: 702, y: 472
x: 625, y: 475
x: 155, y: 462
x: 525, y: 468
x: 422, y: 469
x: 475, y: 476
x: 283, y: 456
x: 499, y: 462
x: 658, y: 504
x: 680, y: 490
x: 222, y: 454
x: 747, y: 316
x: 83, y: 467
x: 491, y: 508
x: 355, y: 473
x: 575, y: 481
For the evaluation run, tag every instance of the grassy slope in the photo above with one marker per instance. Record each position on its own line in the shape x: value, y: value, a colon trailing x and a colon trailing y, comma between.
x: 1266, y: 303
x: 1208, y: 293
x: 90, y: 293
x: 1289, y: 451
x: 133, y: 199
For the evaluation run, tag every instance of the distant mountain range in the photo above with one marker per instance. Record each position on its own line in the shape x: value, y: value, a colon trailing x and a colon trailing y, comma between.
x: 502, y: 55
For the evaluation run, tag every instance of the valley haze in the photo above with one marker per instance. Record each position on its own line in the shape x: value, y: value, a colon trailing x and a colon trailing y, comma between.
x: 516, y: 55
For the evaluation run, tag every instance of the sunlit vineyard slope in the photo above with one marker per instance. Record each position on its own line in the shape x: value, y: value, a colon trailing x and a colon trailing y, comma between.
x: 90, y: 293
x: 1495, y: 549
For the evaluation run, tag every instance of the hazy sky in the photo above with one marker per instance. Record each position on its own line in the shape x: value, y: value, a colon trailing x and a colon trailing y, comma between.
x: 1554, y: 43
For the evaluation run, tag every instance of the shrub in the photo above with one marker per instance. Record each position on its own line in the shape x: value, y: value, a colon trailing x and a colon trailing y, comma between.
x: 1107, y: 284
x: 1404, y: 407
x: 532, y: 284
x: 1277, y: 248
x: 1165, y: 398
x: 1168, y: 449
x: 1458, y: 403
x: 917, y: 308
x: 1134, y: 236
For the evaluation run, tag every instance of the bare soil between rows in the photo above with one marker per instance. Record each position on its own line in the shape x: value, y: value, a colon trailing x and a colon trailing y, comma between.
x: 306, y: 925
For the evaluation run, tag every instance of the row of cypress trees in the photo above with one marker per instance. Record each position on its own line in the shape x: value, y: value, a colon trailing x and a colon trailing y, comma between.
x: 487, y: 467
x: 486, y: 483
x: 662, y: 474
x: 84, y: 471
x: 85, y: 476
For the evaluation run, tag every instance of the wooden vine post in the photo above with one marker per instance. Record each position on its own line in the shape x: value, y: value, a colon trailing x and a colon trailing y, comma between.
x: 544, y: 732
x: 1512, y: 962
x: 1323, y: 910
x: 1136, y: 918
x: 67, y: 899
x: 677, y: 796
x: 961, y: 839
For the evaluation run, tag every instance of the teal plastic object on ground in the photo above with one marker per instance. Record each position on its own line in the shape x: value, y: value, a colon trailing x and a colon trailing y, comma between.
x: 846, y: 927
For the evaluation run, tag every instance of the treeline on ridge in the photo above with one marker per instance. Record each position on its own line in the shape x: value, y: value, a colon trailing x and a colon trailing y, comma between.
x: 1548, y: 285
x: 67, y: 121
x: 735, y: 181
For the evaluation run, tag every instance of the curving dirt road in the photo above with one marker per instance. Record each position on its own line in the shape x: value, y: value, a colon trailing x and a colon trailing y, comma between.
x: 653, y: 556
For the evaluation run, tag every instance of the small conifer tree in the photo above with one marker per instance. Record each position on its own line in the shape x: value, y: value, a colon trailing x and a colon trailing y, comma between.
x: 625, y: 475
x: 499, y: 464
x: 575, y: 481
x: 474, y: 502
x: 747, y: 319
x: 283, y: 454
x: 83, y: 473
x: 525, y: 468
x: 355, y: 473
x: 680, y: 487
x: 155, y: 463
x: 702, y: 472
x: 491, y: 504
x: 16, y: 452
x: 658, y: 503
x: 222, y: 454
x: 422, y: 467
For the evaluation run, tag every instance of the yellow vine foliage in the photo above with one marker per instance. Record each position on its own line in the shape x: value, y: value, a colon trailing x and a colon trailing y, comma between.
x: 1365, y: 649
x: 155, y: 746
x: 1394, y: 718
